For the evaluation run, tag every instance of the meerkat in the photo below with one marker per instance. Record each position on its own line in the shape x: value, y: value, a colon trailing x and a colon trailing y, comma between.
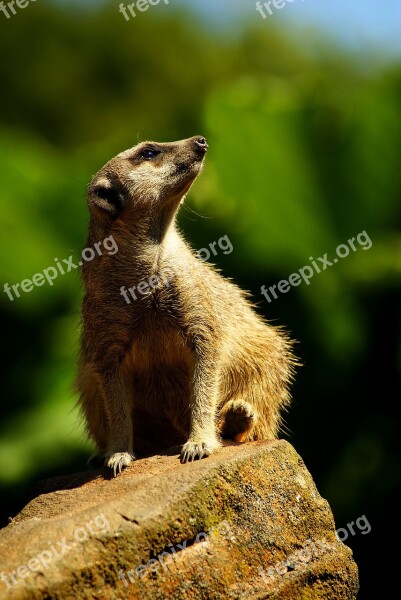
x: 189, y: 362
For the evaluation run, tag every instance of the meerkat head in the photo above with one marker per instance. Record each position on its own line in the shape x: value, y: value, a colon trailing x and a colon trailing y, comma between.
x: 151, y: 178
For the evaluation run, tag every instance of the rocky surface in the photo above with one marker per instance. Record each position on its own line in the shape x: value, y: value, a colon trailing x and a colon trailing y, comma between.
x: 246, y: 522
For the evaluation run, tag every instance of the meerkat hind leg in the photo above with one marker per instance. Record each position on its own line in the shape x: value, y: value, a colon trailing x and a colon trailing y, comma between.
x: 238, y: 419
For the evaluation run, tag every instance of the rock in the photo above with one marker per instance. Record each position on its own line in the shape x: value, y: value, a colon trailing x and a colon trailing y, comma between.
x: 246, y: 522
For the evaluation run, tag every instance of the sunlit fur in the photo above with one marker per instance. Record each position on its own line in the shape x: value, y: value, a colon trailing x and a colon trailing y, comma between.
x: 163, y: 370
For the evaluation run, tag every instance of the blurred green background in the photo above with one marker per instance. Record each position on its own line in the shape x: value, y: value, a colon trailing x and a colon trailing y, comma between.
x: 305, y: 146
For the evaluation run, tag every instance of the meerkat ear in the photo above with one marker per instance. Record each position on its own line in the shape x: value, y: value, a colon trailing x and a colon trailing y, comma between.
x: 108, y: 199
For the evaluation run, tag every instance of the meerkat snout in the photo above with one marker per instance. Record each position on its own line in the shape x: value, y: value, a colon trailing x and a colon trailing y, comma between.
x: 201, y: 144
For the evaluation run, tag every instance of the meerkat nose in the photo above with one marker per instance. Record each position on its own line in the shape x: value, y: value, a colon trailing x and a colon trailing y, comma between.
x: 201, y: 144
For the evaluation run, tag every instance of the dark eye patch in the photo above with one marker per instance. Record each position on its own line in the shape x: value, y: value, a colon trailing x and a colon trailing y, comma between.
x: 108, y: 199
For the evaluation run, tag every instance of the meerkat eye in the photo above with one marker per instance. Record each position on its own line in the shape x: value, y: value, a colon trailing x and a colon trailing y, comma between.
x: 148, y: 154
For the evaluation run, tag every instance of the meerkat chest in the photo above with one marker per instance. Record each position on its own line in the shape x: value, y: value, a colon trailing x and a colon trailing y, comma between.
x: 158, y: 344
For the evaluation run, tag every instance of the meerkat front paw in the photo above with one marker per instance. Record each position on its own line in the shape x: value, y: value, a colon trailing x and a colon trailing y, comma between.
x: 116, y: 461
x: 196, y: 450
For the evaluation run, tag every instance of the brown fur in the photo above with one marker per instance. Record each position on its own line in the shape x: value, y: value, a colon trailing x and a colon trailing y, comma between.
x: 188, y: 362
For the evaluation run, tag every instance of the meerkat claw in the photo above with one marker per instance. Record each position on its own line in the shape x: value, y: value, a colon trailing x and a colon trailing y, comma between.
x: 118, y: 461
x: 194, y: 451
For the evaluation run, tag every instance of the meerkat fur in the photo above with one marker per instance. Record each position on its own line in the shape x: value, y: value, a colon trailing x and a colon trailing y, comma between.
x: 189, y: 362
